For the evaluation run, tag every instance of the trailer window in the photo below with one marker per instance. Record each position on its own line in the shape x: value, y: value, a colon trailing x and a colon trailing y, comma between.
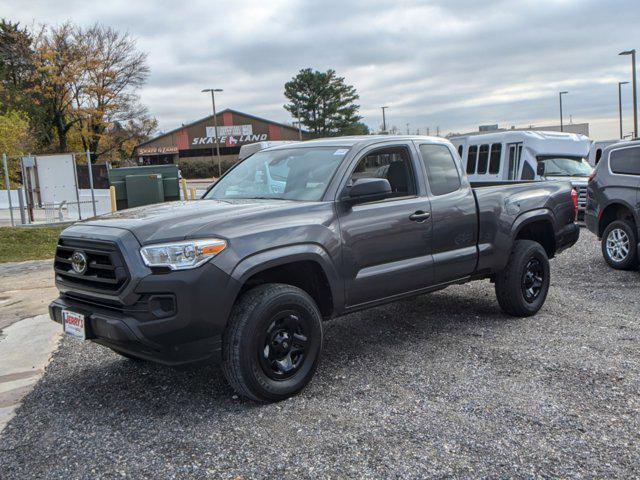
x: 483, y: 159
x: 471, y: 159
x: 494, y: 164
x: 442, y: 172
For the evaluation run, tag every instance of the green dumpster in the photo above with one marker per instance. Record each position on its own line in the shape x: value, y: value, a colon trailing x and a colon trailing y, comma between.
x: 136, y: 186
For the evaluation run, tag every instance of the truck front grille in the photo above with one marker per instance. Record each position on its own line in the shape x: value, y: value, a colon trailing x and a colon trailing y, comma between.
x: 582, y: 196
x: 105, y: 271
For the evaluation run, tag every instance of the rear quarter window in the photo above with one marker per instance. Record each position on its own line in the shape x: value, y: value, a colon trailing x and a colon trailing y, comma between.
x: 442, y: 172
x: 625, y: 161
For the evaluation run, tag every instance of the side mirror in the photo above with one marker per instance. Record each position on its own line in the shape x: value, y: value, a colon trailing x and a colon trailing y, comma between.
x: 368, y: 190
x: 541, y: 169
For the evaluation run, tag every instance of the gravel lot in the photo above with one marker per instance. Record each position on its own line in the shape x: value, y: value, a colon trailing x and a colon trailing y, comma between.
x: 441, y: 385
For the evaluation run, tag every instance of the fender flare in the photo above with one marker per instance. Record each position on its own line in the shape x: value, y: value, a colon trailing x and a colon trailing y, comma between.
x: 283, y: 255
x: 533, y: 216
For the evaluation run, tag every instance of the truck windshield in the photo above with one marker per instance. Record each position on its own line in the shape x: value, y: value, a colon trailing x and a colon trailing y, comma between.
x: 297, y: 173
x: 566, y: 167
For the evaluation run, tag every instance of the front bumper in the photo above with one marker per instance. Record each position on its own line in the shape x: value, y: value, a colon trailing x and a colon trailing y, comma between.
x: 172, y: 318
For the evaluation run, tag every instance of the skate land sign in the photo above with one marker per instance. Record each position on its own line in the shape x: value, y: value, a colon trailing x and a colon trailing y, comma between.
x: 230, y: 135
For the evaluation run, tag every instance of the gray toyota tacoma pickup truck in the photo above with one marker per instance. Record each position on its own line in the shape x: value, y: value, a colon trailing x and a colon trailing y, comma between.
x: 297, y: 234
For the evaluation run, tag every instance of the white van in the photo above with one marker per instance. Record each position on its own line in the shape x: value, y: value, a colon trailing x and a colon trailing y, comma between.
x: 527, y: 155
x: 596, y: 150
x: 251, y: 148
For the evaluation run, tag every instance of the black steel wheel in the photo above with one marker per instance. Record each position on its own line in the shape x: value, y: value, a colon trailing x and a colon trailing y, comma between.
x: 522, y: 287
x: 532, y: 280
x: 273, y: 342
x: 285, y: 345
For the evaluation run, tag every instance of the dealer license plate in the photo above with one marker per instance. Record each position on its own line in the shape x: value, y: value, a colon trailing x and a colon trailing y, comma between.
x: 74, y: 324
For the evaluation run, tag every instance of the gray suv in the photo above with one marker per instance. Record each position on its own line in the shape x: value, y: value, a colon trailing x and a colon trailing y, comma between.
x: 613, y: 204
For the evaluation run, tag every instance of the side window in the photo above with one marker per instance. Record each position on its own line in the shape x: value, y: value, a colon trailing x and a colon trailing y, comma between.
x: 527, y: 172
x: 494, y: 164
x: 598, y: 155
x: 483, y: 159
x: 393, y: 164
x: 442, y: 172
x: 471, y: 159
x: 460, y: 151
x: 625, y: 161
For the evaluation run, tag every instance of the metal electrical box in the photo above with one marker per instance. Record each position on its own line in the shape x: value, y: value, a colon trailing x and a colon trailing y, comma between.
x: 144, y: 189
x: 136, y: 186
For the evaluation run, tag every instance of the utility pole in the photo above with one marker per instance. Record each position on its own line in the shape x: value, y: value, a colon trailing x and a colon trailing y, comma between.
x: 620, y: 105
x: 407, y: 129
x: 215, y: 126
x: 428, y: 131
x: 635, y: 92
x: 560, y: 97
x: 384, y: 120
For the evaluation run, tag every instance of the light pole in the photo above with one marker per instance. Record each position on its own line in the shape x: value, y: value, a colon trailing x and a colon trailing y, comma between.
x: 620, y: 105
x: 215, y: 126
x: 635, y: 93
x: 299, y: 124
x: 384, y: 120
x: 561, y: 124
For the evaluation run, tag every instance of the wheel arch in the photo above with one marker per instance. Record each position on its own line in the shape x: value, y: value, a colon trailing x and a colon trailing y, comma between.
x: 617, y: 210
x: 306, y: 266
x: 539, y: 226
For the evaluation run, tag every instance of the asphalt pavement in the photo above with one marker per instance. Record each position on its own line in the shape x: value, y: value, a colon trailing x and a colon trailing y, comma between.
x: 443, y: 385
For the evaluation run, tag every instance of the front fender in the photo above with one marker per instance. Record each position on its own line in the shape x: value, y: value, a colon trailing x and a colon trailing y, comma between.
x: 275, y: 257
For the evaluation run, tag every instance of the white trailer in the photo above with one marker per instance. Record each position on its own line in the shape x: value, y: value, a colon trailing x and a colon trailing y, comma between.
x: 527, y: 155
x: 596, y: 150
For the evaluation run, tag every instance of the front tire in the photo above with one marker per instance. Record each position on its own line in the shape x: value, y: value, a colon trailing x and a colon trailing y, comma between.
x: 272, y: 343
x: 522, y: 287
x: 619, y: 245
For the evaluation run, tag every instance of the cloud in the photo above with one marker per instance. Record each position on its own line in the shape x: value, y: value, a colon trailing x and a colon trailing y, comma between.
x: 453, y: 64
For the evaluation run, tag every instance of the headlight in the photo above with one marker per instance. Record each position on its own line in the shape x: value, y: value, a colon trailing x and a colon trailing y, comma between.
x: 182, y: 255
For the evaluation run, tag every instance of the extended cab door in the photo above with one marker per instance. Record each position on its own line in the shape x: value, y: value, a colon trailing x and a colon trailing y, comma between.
x: 454, y: 213
x: 386, y: 247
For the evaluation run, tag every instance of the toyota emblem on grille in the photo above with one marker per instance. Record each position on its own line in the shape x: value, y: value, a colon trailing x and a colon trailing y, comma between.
x: 79, y: 262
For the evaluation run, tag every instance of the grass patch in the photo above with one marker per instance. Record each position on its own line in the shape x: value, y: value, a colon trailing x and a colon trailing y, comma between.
x: 20, y: 244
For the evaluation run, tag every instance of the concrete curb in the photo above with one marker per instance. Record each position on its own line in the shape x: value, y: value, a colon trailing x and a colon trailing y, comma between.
x: 26, y: 348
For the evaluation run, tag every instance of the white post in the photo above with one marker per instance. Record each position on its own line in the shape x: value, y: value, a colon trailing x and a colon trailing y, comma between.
x: 8, y: 185
x: 93, y: 197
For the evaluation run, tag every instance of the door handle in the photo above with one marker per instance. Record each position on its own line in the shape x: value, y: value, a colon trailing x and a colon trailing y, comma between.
x: 419, y: 216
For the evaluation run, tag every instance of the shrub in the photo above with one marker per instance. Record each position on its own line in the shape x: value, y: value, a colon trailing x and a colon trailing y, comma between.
x: 204, y: 167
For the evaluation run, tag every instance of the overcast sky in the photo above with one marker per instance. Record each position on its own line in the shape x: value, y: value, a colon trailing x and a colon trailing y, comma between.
x: 455, y: 64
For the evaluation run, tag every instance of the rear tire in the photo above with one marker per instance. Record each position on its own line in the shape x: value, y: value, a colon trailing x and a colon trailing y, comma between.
x: 272, y: 343
x: 619, y: 245
x: 522, y: 287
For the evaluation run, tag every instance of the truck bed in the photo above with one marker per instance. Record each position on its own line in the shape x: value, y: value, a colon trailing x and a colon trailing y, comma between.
x: 502, y: 206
